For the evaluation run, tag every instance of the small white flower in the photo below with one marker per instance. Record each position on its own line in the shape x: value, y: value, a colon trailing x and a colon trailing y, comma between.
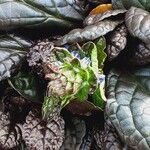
x: 76, y: 54
x: 85, y: 62
x: 101, y: 79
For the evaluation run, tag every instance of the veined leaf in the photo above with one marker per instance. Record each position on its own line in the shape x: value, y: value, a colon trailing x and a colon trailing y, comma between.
x: 67, y: 9
x: 88, y: 33
x: 128, y: 106
x: 25, y: 83
x: 92, y: 19
x: 138, y: 23
x: 144, y: 4
x: 12, y: 52
x: 10, y: 135
x: 50, y: 132
x: 34, y: 13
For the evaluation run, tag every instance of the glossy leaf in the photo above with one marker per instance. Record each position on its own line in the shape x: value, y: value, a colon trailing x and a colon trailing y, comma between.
x: 117, y: 42
x: 128, y: 106
x: 76, y: 135
x: 12, y: 52
x: 141, y: 55
x: 144, y: 4
x: 26, y: 84
x: 89, y: 33
x: 138, y: 23
x: 84, y: 108
x: 30, y: 14
x: 95, y: 18
x: 69, y: 10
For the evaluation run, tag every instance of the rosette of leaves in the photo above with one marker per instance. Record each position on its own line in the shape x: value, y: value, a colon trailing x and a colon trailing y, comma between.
x: 126, y: 4
x: 74, y: 76
x: 13, y: 51
x: 43, y: 134
x: 34, y: 13
x: 128, y: 106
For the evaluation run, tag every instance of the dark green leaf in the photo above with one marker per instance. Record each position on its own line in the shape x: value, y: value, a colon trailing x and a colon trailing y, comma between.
x: 138, y: 23
x: 143, y: 76
x: 89, y: 33
x: 12, y: 52
x: 128, y: 106
x: 11, y: 41
x: 92, y: 19
x: 60, y: 9
x: 25, y: 83
x: 76, y: 135
x: 29, y: 13
x: 144, y: 4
